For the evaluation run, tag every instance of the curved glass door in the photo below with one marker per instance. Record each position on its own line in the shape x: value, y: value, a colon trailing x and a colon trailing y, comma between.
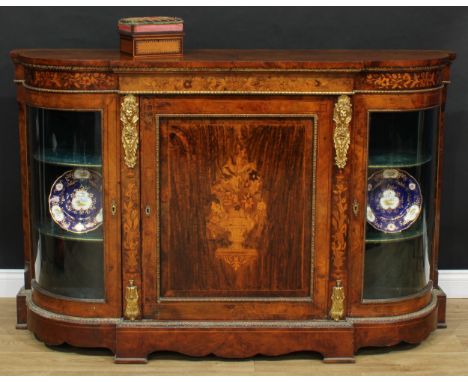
x: 402, y: 165
x: 66, y: 201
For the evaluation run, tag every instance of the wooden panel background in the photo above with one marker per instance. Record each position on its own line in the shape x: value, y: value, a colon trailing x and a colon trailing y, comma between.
x: 193, y: 153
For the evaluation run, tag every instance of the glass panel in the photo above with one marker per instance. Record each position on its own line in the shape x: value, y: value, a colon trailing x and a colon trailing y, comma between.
x: 66, y: 201
x: 400, y: 202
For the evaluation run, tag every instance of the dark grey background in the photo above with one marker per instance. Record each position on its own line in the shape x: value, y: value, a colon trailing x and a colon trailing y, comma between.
x: 250, y: 28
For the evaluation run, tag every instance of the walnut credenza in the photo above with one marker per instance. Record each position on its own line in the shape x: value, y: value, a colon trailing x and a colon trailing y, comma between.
x: 233, y: 191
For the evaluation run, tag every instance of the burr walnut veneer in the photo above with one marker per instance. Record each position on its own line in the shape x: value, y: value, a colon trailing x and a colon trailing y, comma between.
x: 234, y: 192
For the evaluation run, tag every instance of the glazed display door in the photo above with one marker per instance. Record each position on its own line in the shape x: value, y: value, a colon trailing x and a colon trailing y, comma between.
x: 73, y: 241
x: 230, y: 224
x: 399, y: 223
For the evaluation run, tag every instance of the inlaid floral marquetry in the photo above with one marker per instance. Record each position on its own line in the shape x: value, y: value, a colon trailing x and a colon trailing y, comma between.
x: 221, y: 190
x: 238, y: 82
x: 403, y: 80
x: 237, y: 209
x: 131, y: 226
x: 339, y: 225
x: 70, y: 80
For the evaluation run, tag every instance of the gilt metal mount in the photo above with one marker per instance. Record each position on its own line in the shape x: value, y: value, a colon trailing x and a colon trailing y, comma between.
x: 129, y: 117
x: 341, y: 134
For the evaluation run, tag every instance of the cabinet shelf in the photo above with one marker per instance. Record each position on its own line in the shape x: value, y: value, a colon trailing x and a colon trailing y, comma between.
x: 50, y: 229
x: 63, y: 158
x: 374, y: 237
x: 390, y: 160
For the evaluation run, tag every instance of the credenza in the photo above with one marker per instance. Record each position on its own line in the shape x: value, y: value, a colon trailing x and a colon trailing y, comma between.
x: 231, y: 202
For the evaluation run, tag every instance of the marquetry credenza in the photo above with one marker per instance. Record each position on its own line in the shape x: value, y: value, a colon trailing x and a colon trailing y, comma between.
x: 225, y: 202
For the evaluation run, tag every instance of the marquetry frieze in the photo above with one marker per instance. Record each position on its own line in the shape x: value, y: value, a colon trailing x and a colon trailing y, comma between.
x: 224, y: 82
x: 61, y: 80
x: 401, y: 80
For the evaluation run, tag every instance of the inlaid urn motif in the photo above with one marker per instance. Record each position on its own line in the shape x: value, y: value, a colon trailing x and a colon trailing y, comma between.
x: 238, y: 211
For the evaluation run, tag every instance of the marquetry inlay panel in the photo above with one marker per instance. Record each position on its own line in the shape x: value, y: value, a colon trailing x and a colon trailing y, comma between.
x: 402, y: 80
x: 48, y: 79
x: 229, y: 226
x: 237, y: 209
x: 237, y: 82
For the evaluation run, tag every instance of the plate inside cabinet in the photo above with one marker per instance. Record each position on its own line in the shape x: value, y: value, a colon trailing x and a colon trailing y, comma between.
x: 394, y: 200
x: 75, y: 200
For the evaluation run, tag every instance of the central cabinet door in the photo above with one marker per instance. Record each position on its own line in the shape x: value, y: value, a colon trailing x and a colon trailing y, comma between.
x: 235, y: 207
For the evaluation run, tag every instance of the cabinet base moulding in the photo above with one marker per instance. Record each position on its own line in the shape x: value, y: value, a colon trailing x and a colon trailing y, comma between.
x: 133, y: 341
x: 332, y: 343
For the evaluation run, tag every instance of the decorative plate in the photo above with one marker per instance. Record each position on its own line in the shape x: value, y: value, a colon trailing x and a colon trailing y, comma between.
x: 394, y: 200
x: 75, y: 201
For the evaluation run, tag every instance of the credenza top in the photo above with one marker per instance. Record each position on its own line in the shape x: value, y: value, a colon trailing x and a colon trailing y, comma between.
x: 231, y: 59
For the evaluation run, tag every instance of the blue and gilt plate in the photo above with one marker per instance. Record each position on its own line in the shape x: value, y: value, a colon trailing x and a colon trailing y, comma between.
x: 75, y: 201
x: 394, y: 200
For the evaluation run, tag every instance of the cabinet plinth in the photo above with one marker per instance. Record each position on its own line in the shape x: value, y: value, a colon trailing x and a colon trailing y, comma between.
x: 231, y: 202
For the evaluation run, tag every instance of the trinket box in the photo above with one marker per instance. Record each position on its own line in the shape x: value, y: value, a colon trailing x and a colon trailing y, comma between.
x: 151, y: 36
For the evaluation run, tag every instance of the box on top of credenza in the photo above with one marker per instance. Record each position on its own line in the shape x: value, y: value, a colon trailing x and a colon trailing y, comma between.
x: 151, y: 36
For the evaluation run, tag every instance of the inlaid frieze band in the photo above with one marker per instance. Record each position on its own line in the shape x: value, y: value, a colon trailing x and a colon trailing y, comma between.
x: 62, y: 80
x: 402, y: 80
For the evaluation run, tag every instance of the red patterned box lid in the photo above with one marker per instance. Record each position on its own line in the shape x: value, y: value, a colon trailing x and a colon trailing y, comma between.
x: 151, y: 24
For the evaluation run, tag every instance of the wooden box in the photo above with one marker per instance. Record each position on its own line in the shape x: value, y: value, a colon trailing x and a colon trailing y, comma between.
x: 147, y: 45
